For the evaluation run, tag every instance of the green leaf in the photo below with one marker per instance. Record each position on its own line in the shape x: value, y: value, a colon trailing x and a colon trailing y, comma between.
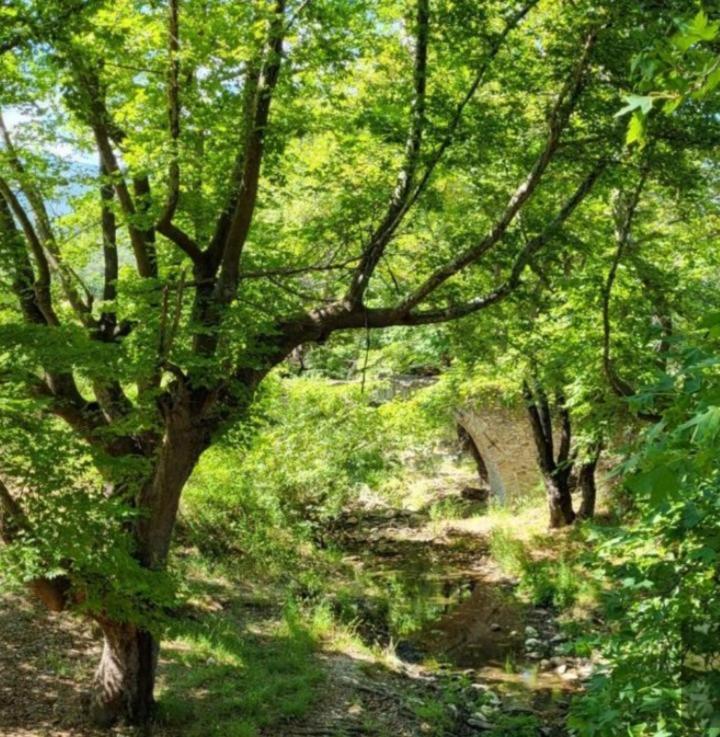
x: 636, y: 102
x: 636, y: 130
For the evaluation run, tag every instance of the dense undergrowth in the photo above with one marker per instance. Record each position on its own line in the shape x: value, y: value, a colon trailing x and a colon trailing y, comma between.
x: 640, y: 592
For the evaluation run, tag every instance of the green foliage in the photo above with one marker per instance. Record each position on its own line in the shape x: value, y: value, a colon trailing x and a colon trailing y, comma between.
x: 244, y: 683
x: 310, y: 449
x: 663, y: 599
x: 550, y: 582
x: 683, y: 68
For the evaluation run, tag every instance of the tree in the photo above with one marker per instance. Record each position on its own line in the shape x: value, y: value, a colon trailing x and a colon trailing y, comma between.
x: 143, y: 303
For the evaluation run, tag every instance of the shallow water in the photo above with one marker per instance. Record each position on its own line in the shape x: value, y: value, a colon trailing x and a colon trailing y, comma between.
x: 448, y: 603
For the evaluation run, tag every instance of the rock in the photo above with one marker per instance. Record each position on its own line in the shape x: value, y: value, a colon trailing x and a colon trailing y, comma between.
x: 475, y: 493
x: 518, y: 709
x: 570, y: 675
x: 560, y: 670
x: 560, y: 637
x: 534, y: 655
x: 531, y: 631
x: 478, y: 720
x: 532, y: 643
x: 545, y: 664
x: 495, y: 627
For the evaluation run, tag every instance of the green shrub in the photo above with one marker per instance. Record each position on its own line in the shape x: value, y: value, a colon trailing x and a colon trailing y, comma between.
x: 310, y: 448
x: 663, y: 600
x: 545, y: 582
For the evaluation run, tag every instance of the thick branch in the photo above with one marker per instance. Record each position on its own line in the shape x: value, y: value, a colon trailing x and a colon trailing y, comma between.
x: 108, y: 319
x: 241, y: 218
x: 173, y: 105
x: 41, y: 285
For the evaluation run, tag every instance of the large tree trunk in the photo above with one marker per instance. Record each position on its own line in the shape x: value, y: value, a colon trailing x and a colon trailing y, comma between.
x: 125, y: 678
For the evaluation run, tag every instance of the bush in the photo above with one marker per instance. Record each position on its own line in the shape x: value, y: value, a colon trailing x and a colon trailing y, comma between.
x: 311, y: 447
x: 546, y: 583
x: 662, y: 573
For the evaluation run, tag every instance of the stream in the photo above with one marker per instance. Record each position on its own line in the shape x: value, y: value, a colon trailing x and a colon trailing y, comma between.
x: 439, y: 598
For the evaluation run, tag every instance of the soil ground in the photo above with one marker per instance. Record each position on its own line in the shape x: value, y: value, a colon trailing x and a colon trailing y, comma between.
x: 473, y: 640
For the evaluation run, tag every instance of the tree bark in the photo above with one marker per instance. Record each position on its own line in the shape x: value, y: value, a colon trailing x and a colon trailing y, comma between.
x: 125, y: 678
x: 559, y: 500
x: 555, y: 473
x: 588, y: 488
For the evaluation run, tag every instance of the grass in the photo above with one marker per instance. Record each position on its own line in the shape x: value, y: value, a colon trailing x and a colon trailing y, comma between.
x: 550, y: 566
x: 232, y: 673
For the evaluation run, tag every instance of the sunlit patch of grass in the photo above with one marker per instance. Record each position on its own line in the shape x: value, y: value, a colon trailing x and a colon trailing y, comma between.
x: 549, y: 568
x: 221, y: 679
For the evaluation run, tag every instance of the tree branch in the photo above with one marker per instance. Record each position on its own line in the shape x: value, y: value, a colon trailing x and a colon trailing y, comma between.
x: 455, y: 121
x: 397, y: 206
x: 242, y: 214
x: 41, y: 286
x: 624, y: 214
x: 45, y: 235
x: 558, y: 119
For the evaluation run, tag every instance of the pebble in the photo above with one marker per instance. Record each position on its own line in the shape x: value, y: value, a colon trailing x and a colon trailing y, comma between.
x: 495, y: 627
x: 531, y: 631
x: 570, y: 675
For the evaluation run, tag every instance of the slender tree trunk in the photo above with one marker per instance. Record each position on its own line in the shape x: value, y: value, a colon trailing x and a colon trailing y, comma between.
x: 559, y: 500
x: 555, y: 473
x: 125, y: 678
x: 588, y: 489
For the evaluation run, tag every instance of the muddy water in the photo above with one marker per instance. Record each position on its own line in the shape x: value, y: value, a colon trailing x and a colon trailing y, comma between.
x: 449, y: 603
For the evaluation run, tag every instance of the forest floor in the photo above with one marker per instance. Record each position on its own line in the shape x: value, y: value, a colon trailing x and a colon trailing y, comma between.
x: 431, y: 636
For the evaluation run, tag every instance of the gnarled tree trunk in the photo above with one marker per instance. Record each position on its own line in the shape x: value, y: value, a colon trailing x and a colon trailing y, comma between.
x: 125, y: 678
x: 124, y: 681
